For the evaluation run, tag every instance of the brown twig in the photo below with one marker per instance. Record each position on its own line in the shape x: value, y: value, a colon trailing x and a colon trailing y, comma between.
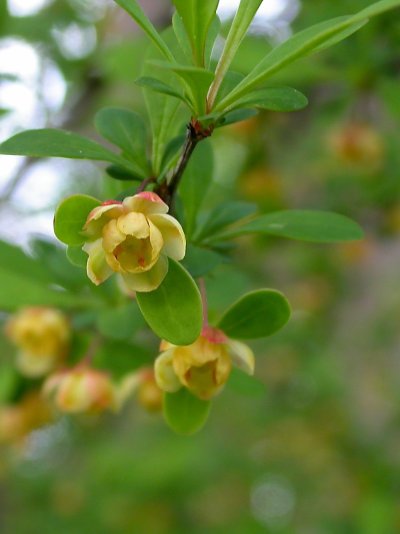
x: 195, y: 133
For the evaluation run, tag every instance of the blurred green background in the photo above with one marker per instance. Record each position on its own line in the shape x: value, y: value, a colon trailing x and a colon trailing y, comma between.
x: 315, y: 448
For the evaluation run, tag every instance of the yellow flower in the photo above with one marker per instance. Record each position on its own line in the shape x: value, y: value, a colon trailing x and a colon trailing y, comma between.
x: 81, y: 390
x: 203, y: 367
x: 42, y: 335
x: 134, y: 238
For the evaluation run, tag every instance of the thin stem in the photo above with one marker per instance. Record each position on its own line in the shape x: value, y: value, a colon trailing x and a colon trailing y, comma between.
x: 145, y: 183
x: 196, y: 133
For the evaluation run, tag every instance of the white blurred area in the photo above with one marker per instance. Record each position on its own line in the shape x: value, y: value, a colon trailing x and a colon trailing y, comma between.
x: 34, y: 92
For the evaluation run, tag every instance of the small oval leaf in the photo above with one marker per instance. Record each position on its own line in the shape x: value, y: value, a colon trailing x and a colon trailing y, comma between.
x: 185, y: 413
x: 71, y: 216
x: 257, y: 314
x: 174, y: 310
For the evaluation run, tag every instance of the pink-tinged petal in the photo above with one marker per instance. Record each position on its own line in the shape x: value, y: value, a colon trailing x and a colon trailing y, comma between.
x: 173, y: 235
x: 100, y: 215
x: 242, y: 356
x: 156, y: 241
x: 98, y: 269
x: 145, y: 202
x: 134, y: 224
x: 147, y: 280
x: 164, y: 373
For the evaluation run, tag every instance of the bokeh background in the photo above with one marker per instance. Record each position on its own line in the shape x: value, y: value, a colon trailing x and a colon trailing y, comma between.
x: 314, y: 449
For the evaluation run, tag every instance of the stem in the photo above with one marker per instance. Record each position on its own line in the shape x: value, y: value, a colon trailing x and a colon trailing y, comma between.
x: 195, y: 133
x: 145, y: 183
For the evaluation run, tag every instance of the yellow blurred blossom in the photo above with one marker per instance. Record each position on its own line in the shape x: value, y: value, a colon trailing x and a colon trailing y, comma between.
x: 42, y: 337
x: 81, y: 389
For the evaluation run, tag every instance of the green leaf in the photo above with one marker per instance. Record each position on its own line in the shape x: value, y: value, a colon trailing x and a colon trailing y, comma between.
x: 136, y: 12
x: 257, y: 314
x: 49, y: 143
x: 14, y: 260
x: 197, y: 16
x: 161, y: 87
x: 196, y: 82
x: 224, y: 215
x: 172, y: 153
x: 126, y: 130
x: 274, y: 99
x: 71, y: 216
x: 213, y: 32
x: 185, y: 413
x: 200, y: 261
x: 120, y: 357
x: 303, y: 43
x: 182, y: 37
x: 196, y: 181
x: 174, y: 310
x: 162, y: 111
x: 77, y: 256
x: 314, y: 226
x: 238, y: 115
x: 121, y: 322
x: 119, y: 173
x: 17, y: 291
x: 243, y: 18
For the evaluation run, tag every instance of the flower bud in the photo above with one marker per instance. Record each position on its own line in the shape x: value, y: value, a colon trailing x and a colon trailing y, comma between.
x: 203, y: 367
x: 133, y: 238
x: 42, y: 337
x: 81, y: 390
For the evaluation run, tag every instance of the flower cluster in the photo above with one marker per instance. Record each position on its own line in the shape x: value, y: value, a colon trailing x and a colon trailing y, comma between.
x: 133, y: 238
x: 203, y: 367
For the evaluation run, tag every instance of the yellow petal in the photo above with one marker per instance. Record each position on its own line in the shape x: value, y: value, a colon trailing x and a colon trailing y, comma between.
x: 112, y: 236
x: 242, y: 356
x: 147, y: 280
x: 99, y: 216
x: 98, y: 269
x: 146, y: 202
x: 134, y: 224
x: 156, y: 240
x: 164, y: 372
x: 173, y: 235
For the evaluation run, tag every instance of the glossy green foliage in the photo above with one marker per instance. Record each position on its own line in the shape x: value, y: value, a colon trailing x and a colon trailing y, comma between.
x: 195, y: 81
x: 304, y: 43
x: 243, y: 18
x: 282, y: 99
x: 48, y: 143
x: 315, y: 226
x: 185, y: 413
x: 257, y: 314
x: 136, y: 12
x: 71, y: 216
x: 197, y: 16
x: 26, y: 282
x: 174, y: 311
x: 126, y: 130
x: 196, y: 181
